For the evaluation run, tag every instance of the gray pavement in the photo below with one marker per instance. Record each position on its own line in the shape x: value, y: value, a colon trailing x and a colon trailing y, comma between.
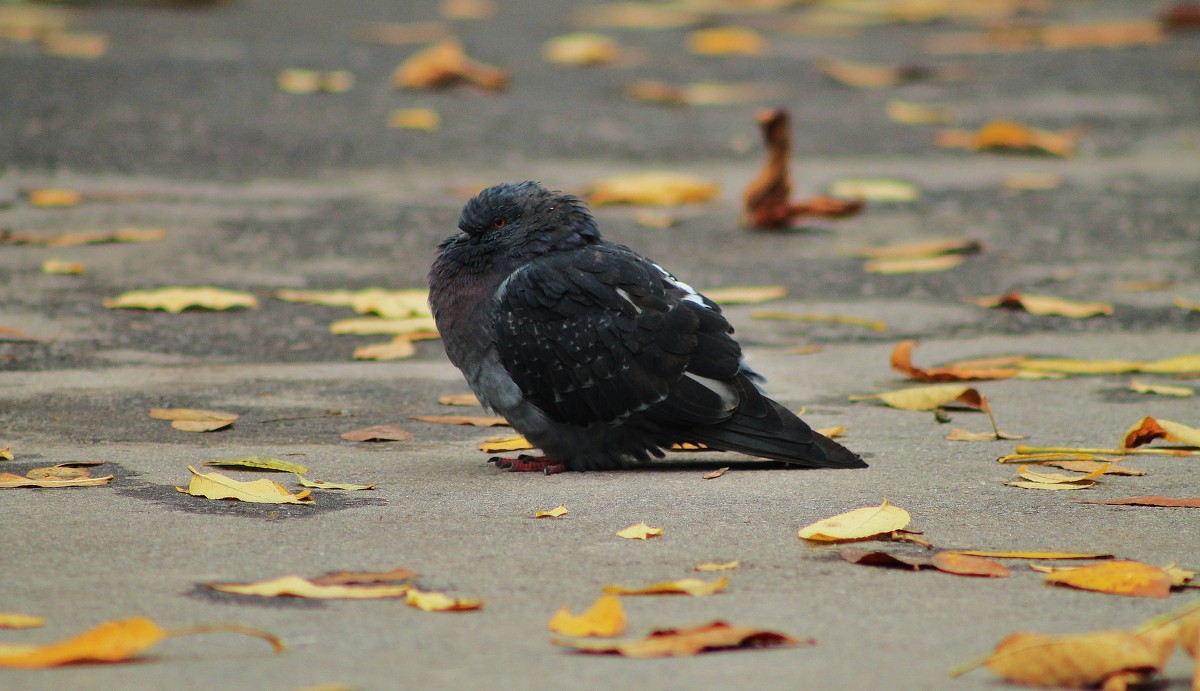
x: 180, y: 126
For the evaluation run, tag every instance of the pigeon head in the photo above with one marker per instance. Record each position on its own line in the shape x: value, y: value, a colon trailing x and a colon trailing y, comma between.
x: 527, y: 219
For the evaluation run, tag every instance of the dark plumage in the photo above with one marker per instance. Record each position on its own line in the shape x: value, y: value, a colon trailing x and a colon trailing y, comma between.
x: 593, y: 352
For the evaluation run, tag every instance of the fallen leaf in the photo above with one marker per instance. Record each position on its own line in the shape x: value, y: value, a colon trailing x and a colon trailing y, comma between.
x: 466, y: 9
x: 1129, y: 578
x: 59, y: 266
x: 390, y: 304
x: 1049, y: 485
x: 961, y: 564
x: 875, y: 189
x: 1180, y: 364
x: 1005, y: 135
x: 257, y: 463
x: 918, y: 250
x: 909, y: 113
x: 635, y: 15
x: 605, y: 618
x: 84, y: 237
x: 915, y: 265
x: 377, y: 433
x: 1186, y: 305
x: 832, y: 318
x: 896, y: 559
x: 1093, y: 466
x: 714, y: 474
x: 727, y: 40
x: 695, y: 587
x: 654, y: 219
x: 443, y: 63
x: 582, y: 48
x: 473, y: 420
x: 866, y: 75
x: 1045, y: 305
x: 929, y: 397
x: 639, y: 531
x: 301, y: 81
x: 1074, y: 661
x: 858, y: 524
x: 398, y: 348
x: 365, y: 577
x: 264, y: 491
x: 1149, y: 429
x: 6, y: 453
x: 901, y: 361
x: 87, y: 45
x: 1019, y: 37
x: 1186, y: 503
x: 1032, y: 555
x: 295, y: 586
x: 54, y: 197
x: 1057, y: 478
x: 701, y: 93
x: 741, y: 295
x: 322, y: 484
x: 655, y: 189
x: 458, y: 399
x: 1161, y: 389
x: 1021, y: 182
x: 194, y: 419
x: 178, y: 298
x: 426, y: 119
x: 11, y: 481
x: 765, y: 200
x: 717, y: 566
x: 15, y: 620
x: 556, y: 512
x: 368, y: 326
x: 515, y: 442
x: 440, y: 602
x: 687, y: 642
x: 958, y: 434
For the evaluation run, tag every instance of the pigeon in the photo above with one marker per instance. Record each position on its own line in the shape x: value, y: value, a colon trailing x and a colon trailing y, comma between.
x: 599, y: 356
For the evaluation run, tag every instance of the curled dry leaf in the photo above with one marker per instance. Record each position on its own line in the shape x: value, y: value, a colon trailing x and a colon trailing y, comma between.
x: 902, y: 362
x: 340, y: 486
x: 727, y: 40
x: 714, y: 474
x: 557, y: 512
x: 91, y: 237
x: 743, y: 295
x: 257, y: 463
x: 1074, y: 661
x: 717, y: 566
x: 53, y: 197
x: 443, y: 63
x: 461, y: 399
x: 582, y: 48
x: 377, y: 433
x: 176, y: 299
x: 11, y: 481
x: 397, y: 575
x: 194, y: 419
x: 604, y: 619
x: 655, y: 189
x: 961, y: 564
x: 1185, y: 502
x: 639, y: 531
x: 1172, y: 365
x: 1045, y: 305
x: 296, y: 586
x: 1149, y: 429
x: 1060, y: 486
x: 300, y: 81
x: 440, y: 602
x: 6, y: 453
x: 686, y: 642
x: 515, y: 442
x: 898, y: 559
x: 695, y: 587
x: 59, y: 472
x: 472, y: 420
x: 930, y: 397
x: 765, y: 200
x: 1057, y: 478
x: 16, y: 620
x: 858, y: 524
x: 115, y: 641
x: 1004, y: 135
x: 264, y: 491
x: 1107, y: 468
x: 1129, y: 578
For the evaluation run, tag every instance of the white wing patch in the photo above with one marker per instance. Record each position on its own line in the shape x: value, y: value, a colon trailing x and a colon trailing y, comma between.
x: 626, y: 297
x: 728, y: 394
x: 692, y: 296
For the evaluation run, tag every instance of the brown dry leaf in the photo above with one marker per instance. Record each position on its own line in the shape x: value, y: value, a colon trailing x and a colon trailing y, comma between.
x: 426, y: 119
x: 917, y: 250
x: 858, y: 524
x: 687, y: 642
x: 1032, y: 555
x: 440, y: 602
x: 910, y: 113
x: 398, y: 348
x: 930, y: 397
x: 639, y: 531
x: 901, y: 361
x: 875, y: 189
x: 1148, y: 429
x: 701, y: 93
x: 392, y: 33
x: 959, y: 434
x: 961, y: 564
x: 635, y: 15
x: 745, y: 295
x: 557, y: 512
x: 377, y: 433
x: 727, y: 40
x: 515, y: 442
x: 90, y: 237
x: 458, y: 399
x: 866, y: 75
x: 832, y: 318
x: 194, y: 419
x: 369, y: 326
x: 178, y: 298
x: 52, y: 197
x: 582, y: 48
x: 264, y: 491
x: 717, y: 566
x: 473, y: 420
x: 443, y: 63
x: 11, y: 481
x: 695, y: 587
x: 295, y: 586
x: 714, y: 474
x: 466, y: 9
x: 339, y: 486
x: 604, y: 619
x: 1161, y: 389
x: 895, y: 559
x: 1045, y: 304
x: 765, y: 200
x: 1185, y: 503
x: 115, y: 641
x: 54, y: 265
x: 1129, y: 578
x: 15, y: 620
x: 1005, y: 135
x: 654, y: 188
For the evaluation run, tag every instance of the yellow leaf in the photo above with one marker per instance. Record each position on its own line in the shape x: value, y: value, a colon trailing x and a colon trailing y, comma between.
x: 701, y: 93
x: 686, y: 642
x: 377, y: 433
x: 875, y: 189
x: 178, y: 298
x: 944, y: 262
x: 59, y: 266
x: 321, y: 484
x: 582, y: 48
x: 866, y: 75
x: 440, y: 602
x: 473, y: 420
x: 398, y: 348
x: 1161, y: 389
x: 367, y: 326
x: 1004, y: 135
x: 695, y: 587
x: 1050, y: 486
x: 84, y: 237
x: 556, y: 512
x: 11, y: 481
x: 59, y: 472
x: 87, y: 45
x: 831, y: 432
x: 298, y: 81
x: 929, y: 397
x: 1148, y: 429
x: 6, y: 453
x: 193, y: 419
x: 605, y: 618
x: 1129, y: 578
x: 960, y: 564
x: 639, y: 531
x: 1173, y: 365
x: 635, y: 15
x: 391, y: 304
x: 1186, y: 304
x: 858, y: 524
x: 958, y: 434
x: 717, y: 566
x: 916, y: 250
x: 909, y: 113
x: 1078, y: 660
x: 54, y: 197
x: 727, y: 40
x: 1057, y: 478
x: 458, y: 399
x: 415, y: 119
x: 1046, y: 305
x: 264, y: 491
x: 15, y: 620
x: 739, y: 295
x: 444, y: 63
x: 257, y: 463
x: 655, y: 189
x: 714, y: 474
x: 295, y: 586
x: 515, y: 442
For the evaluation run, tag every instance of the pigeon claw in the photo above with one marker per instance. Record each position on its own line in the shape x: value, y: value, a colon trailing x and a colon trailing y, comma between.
x: 528, y: 464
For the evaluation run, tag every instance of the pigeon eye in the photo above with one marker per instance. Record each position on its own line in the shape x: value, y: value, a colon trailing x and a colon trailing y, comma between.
x: 499, y: 222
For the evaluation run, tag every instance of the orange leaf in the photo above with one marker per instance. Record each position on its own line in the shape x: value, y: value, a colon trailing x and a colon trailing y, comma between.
x: 966, y: 565
x: 1149, y: 429
x: 473, y: 420
x: 443, y: 63
x: 695, y: 587
x: 1129, y: 578
x: 1079, y: 660
x: 378, y: 433
x: 902, y: 362
x: 686, y: 642
x: 1185, y: 503
x: 1004, y: 135
x: 458, y: 399
x: 605, y: 618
